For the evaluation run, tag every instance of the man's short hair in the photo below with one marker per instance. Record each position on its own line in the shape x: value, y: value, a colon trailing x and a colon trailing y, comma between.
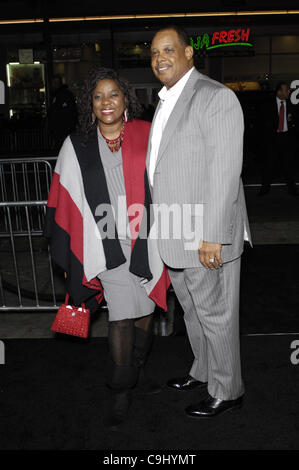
x: 279, y: 86
x: 183, y: 36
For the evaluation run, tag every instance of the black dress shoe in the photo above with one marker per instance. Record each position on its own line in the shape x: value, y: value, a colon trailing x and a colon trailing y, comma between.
x: 185, y: 383
x: 213, y: 406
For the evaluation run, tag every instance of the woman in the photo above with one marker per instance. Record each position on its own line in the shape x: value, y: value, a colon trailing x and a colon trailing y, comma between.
x: 99, y: 181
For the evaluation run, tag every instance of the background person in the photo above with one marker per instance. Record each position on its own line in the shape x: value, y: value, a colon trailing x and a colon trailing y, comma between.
x: 279, y: 125
x: 62, y: 112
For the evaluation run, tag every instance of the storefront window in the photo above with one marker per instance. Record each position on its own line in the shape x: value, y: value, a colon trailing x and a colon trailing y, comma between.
x: 73, y: 63
x: 26, y: 89
x: 245, y: 68
x: 133, y: 55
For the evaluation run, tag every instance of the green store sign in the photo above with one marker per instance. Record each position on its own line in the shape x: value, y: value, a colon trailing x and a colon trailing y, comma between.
x: 232, y: 37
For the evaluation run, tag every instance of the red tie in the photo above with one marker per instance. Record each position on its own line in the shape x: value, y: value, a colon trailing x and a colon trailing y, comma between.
x: 281, y: 117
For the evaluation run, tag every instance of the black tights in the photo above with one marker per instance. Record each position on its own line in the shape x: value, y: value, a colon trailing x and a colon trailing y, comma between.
x: 121, y: 338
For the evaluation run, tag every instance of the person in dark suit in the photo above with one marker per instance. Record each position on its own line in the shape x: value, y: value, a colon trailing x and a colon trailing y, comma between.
x: 279, y: 124
x: 62, y: 112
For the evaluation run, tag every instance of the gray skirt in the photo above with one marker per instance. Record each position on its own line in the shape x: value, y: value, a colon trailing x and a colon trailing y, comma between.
x: 125, y: 296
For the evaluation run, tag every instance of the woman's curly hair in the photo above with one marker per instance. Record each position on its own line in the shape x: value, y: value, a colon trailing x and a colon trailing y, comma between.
x: 84, y: 102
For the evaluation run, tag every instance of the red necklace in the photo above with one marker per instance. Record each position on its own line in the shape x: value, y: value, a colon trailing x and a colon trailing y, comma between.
x: 115, y: 144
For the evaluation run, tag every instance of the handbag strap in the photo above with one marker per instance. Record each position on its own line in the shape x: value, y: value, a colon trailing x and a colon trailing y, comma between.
x: 67, y: 298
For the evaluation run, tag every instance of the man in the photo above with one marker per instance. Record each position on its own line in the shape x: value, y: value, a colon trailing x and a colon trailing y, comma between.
x: 195, y: 156
x: 279, y: 124
x: 62, y: 113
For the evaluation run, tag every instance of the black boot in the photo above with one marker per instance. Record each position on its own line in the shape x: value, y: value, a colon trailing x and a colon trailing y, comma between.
x: 142, y: 346
x: 121, y: 380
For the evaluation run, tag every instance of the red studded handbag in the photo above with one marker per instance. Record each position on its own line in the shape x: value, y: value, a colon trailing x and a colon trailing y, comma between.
x: 72, y: 320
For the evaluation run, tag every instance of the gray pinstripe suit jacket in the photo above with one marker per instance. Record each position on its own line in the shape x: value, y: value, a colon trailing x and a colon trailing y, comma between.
x: 200, y: 161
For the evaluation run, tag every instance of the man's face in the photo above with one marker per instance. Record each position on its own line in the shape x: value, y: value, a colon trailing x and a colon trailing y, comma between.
x: 170, y: 59
x: 284, y: 92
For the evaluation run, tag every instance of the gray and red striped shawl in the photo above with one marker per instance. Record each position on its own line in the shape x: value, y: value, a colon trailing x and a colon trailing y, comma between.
x: 78, y: 187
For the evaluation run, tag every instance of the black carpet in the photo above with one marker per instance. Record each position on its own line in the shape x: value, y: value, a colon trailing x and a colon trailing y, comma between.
x: 270, y: 289
x: 53, y: 397
x: 52, y: 391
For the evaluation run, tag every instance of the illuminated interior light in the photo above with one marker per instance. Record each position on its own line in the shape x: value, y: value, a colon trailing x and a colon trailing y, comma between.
x: 265, y: 12
x: 224, y: 13
x: 177, y: 15
x: 8, y: 74
x: 155, y: 15
x: 35, y: 20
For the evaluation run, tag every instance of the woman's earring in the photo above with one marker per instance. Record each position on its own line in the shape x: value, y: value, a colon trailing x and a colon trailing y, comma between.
x: 93, y: 117
x: 126, y: 115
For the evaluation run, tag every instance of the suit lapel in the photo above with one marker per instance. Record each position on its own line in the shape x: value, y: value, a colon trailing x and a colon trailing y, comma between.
x: 177, y: 112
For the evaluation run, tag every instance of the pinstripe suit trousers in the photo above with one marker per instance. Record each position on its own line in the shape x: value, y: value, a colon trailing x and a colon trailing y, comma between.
x: 210, y: 300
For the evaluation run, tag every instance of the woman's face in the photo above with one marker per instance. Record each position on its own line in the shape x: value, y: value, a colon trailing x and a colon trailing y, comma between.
x: 108, y: 102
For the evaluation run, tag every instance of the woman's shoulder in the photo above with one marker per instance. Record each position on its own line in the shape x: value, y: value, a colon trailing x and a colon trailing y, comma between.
x: 71, y: 147
x: 66, y: 146
x: 65, y: 156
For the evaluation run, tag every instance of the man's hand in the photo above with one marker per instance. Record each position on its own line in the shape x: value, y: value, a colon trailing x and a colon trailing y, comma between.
x: 208, y: 252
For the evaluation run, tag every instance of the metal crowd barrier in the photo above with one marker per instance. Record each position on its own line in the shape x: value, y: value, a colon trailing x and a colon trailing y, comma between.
x: 24, y: 179
x: 28, y: 280
x: 26, y: 269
